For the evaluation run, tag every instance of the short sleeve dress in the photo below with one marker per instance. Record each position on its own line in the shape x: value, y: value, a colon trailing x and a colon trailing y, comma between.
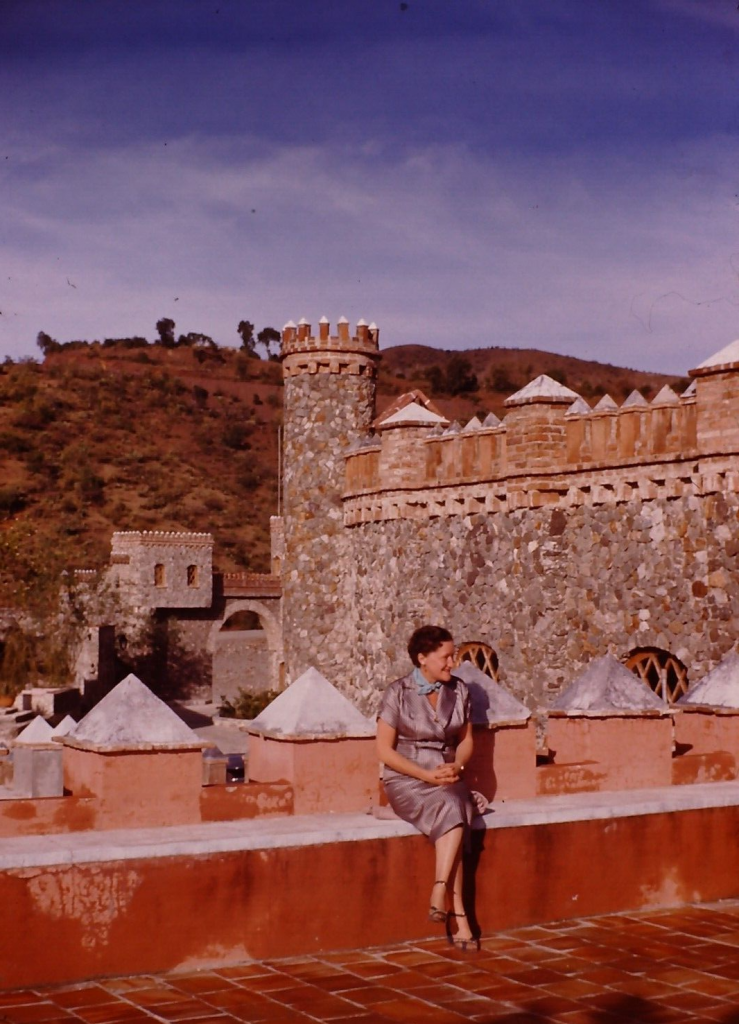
x: 428, y: 737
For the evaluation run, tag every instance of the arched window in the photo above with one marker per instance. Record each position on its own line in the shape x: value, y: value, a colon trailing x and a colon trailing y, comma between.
x: 159, y: 578
x: 661, y: 671
x: 192, y: 576
x: 481, y: 655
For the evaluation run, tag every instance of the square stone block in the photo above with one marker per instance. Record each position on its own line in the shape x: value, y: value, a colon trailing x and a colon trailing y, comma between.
x: 503, y: 763
x: 634, y: 751
x: 328, y: 775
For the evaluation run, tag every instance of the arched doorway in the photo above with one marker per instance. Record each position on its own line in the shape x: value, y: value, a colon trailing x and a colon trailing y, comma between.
x: 481, y: 655
x: 247, y: 650
x: 661, y: 671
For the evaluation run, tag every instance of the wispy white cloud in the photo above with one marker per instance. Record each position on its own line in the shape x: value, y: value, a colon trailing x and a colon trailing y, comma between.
x: 629, y: 259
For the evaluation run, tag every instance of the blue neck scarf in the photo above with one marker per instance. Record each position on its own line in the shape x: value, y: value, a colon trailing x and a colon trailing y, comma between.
x: 424, y: 686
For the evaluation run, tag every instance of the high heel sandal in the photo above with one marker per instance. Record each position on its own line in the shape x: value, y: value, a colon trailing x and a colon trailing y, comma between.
x: 470, y: 945
x: 436, y: 913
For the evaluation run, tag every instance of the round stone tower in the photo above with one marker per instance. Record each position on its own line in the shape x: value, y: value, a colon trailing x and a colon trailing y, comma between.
x: 329, y: 401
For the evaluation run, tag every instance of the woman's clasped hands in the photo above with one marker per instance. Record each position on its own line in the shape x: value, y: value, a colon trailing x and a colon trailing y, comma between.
x: 446, y: 773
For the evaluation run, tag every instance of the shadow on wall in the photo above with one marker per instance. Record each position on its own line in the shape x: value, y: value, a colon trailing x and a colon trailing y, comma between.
x: 160, y: 658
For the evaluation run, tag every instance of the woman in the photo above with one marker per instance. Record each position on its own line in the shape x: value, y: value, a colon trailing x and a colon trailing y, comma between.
x: 424, y: 739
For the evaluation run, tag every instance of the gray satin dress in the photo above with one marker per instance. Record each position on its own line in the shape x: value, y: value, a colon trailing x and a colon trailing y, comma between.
x: 428, y: 737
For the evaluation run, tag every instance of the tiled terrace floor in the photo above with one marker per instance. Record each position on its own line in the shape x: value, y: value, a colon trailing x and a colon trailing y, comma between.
x: 678, y: 965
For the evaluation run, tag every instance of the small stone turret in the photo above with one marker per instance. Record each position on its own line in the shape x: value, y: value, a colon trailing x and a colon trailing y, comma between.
x: 329, y: 402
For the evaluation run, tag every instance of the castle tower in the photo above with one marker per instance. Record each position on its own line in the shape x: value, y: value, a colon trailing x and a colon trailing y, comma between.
x: 329, y: 400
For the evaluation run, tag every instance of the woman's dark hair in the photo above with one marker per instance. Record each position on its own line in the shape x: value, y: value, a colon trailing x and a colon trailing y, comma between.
x: 426, y: 639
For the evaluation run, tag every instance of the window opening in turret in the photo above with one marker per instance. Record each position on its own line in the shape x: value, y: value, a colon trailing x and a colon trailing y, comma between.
x: 662, y: 672
x: 159, y: 577
x: 481, y: 655
x: 192, y: 576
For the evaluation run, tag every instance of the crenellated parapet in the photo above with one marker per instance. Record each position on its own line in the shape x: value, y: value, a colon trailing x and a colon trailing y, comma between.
x: 305, y: 352
x: 552, y: 448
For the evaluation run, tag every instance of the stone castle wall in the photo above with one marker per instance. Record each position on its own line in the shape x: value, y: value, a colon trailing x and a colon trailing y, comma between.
x: 550, y: 589
x: 561, y: 534
x: 163, y: 570
x: 325, y: 412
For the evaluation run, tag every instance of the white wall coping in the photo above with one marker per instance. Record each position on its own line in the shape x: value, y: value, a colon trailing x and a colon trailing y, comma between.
x: 320, y: 829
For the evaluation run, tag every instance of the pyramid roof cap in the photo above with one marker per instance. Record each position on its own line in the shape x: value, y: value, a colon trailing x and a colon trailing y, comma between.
x: 491, y: 420
x: 491, y: 702
x: 636, y: 400
x: 131, y: 717
x: 606, y: 404
x: 542, y: 389
x: 412, y: 413
x: 690, y: 390
x: 607, y: 686
x: 579, y: 407
x: 719, y: 687
x: 724, y: 357
x: 665, y: 396
x: 38, y: 730
x: 474, y: 424
x: 408, y: 398
x: 312, y: 708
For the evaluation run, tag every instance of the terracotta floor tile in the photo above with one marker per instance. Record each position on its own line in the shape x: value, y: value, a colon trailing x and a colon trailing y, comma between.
x: 548, y: 1005
x: 572, y: 988
x: 20, y: 997
x: 537, y: 976
x: 152, y: 997
x: 369, y: 995
x: 415, y: 1012
x: 90, y: 995
x: 30, y: 1013
x: 200, y: 983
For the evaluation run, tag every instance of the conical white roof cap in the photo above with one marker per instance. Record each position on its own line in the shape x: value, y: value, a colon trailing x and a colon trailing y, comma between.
x: 579, y: 408
x: 636, y: 400
x: 131, y: 717
x: 665, y: 396
x: 719, y: 687
x: 38, y: 730
x: 65, y: 727
x: 542, y: 388
x: 729, y: 354
x: 312, y: 708
x: 606, y: 404
x: 607, y: 685
x: 413, y: 413
x: 490, y: 701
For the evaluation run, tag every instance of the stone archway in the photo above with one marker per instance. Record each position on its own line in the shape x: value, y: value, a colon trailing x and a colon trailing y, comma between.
x: 249, y: 659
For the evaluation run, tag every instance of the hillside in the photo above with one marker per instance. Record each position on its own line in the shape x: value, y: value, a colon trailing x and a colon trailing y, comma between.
x: 98, y: 438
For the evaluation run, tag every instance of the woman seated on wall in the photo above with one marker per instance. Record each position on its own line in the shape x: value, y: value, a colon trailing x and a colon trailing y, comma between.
x: 424, y: 739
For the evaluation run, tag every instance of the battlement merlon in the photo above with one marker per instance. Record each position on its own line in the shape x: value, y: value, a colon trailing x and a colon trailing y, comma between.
x: 304, y: 352
x: 125, y: 539
x: 546, y: 446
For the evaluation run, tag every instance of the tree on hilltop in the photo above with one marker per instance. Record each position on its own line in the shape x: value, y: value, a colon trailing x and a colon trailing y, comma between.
x: 268, y: 336
x: 246, y: 333
x: 165, y: 330
x: 46, y: 343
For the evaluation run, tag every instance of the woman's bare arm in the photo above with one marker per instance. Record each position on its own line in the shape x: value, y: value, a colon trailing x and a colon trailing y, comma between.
x: 464, y: 746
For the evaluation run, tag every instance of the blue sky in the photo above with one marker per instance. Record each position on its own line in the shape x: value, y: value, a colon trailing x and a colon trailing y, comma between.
x: 559, y: 175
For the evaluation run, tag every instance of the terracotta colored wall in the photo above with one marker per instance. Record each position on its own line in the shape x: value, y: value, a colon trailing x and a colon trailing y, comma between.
x: 634, y: 752
x: 247, y: 800
x: 326, y: 775
x: 27, y: 817
x: 36, y: 817
x: 503, y: 764
x: 227, y: 908
x: 707, y: 732
x: 137, y: 789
